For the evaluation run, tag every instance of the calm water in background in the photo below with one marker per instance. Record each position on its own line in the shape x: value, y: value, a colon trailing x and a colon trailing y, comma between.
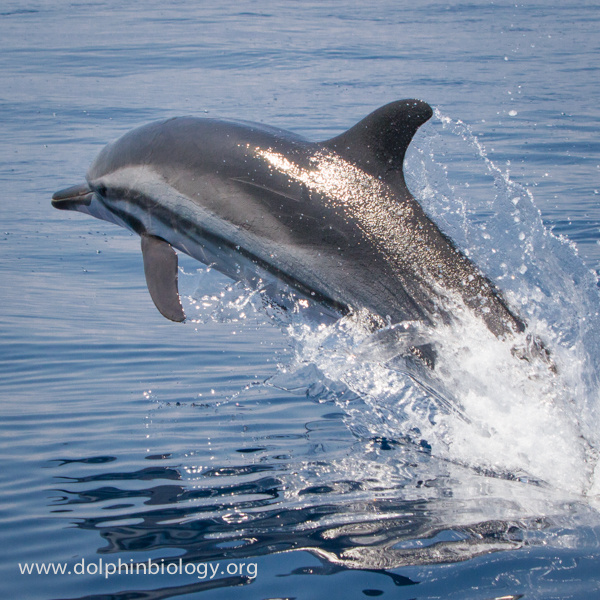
x: 233, y: 440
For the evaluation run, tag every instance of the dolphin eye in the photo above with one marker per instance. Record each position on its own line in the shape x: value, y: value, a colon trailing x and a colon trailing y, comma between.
x: 101, y: 189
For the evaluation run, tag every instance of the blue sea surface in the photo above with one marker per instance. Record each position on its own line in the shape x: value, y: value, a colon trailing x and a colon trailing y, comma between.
x: 250, y: 454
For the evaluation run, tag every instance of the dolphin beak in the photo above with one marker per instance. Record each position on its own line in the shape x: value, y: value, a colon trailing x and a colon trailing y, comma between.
x: 73, y: 197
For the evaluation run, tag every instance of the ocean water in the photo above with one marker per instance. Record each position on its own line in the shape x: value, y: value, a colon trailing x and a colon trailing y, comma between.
x: 253, y: 454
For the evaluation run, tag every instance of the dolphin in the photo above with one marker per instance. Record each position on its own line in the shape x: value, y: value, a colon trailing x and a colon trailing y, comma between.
x: 334, y: 221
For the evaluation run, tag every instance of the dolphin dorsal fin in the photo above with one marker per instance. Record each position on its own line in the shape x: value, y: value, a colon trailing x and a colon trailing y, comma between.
x: 378, y: 143
x: 160, y: 268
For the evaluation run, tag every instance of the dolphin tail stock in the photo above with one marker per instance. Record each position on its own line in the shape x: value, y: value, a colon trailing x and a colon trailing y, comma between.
x: 160, y: 269
x: 410, y: 340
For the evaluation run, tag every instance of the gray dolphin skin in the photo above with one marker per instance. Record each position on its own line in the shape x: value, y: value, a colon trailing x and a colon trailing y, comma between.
x: 334, y: 220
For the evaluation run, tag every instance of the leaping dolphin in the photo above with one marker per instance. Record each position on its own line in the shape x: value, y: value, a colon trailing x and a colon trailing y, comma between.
x: 333, y: 220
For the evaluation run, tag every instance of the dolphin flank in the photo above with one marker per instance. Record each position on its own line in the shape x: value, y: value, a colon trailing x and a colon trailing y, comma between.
x: 332, y: 220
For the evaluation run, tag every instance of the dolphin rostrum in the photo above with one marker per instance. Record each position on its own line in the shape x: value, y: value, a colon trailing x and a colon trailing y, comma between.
x: 332, y: 220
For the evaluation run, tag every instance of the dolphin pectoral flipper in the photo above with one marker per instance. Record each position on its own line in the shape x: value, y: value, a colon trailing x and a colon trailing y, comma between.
x: 160, y: 268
